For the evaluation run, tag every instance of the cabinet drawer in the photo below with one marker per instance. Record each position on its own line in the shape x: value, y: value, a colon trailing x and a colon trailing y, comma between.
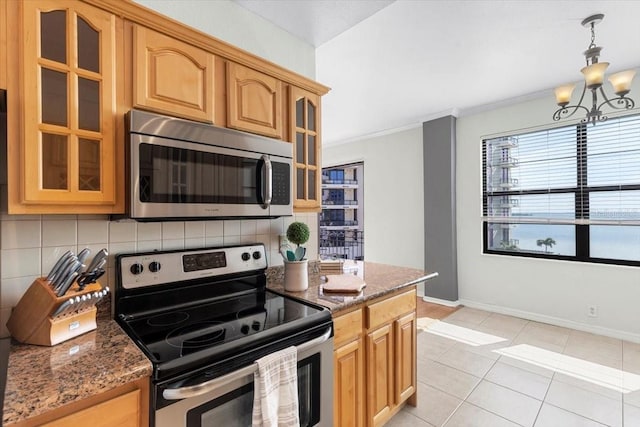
x: 347, y: 327
x: 122, y: 411
x: 389, y: 309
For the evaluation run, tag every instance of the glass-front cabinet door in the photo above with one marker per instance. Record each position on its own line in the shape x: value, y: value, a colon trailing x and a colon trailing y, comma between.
x: 68, y: 151
x: 304, y: 119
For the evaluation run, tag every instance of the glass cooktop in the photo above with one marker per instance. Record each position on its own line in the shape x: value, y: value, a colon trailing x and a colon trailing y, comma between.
x: 235, y: 322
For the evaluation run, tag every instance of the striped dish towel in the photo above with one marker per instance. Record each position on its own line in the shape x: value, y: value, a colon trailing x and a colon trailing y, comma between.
x: 275, y: 396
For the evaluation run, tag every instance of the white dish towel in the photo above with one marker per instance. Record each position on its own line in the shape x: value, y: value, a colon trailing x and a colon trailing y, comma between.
x: 275, y: 396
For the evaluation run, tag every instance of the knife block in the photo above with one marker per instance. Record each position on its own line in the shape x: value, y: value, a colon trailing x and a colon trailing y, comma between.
x: 31, y: 322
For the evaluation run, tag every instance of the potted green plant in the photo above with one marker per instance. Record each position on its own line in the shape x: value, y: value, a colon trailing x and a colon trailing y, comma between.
x: 296, y: 277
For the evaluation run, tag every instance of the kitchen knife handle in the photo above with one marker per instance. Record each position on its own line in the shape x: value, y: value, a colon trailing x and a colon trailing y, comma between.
x: 67, y: 284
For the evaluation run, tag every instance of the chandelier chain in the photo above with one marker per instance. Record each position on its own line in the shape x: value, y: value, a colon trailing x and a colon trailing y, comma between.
x: 593, y: 36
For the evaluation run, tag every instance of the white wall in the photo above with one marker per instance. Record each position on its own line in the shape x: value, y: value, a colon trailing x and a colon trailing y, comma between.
x: 547, y: 290
x: 393, y: 196
x: 230, y: 22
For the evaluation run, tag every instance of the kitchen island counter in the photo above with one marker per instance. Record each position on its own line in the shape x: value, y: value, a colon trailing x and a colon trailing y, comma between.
x: 380, y: 280
x: 374, y: 337
x: 44, y: 379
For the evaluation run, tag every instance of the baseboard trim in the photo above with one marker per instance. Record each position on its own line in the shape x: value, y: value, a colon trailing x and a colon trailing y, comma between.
x: 557, y: 321
x: 441, y: 301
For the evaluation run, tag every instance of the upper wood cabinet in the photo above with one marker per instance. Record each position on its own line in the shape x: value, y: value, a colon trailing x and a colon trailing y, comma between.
x: 172, y: 77
x: 253, y: 101
x: 62, y: 108
x: 73, y: 68
x: 304, y: 122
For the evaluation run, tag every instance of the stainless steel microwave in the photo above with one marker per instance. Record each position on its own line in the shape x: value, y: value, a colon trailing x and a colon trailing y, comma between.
x: 180, y: 170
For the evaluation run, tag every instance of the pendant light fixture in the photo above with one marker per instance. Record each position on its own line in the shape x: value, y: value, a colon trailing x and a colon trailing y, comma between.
x: 594, y: 74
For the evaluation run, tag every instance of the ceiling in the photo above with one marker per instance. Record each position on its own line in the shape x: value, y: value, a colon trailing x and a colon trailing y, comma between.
x: 393, y: 65
x: 314, y: 21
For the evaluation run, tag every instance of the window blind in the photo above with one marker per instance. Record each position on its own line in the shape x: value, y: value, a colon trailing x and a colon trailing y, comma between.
x: 580, y: 174
x: 612, y: 188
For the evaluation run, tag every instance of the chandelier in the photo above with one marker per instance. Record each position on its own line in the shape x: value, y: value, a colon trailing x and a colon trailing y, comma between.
x: 593, y: 79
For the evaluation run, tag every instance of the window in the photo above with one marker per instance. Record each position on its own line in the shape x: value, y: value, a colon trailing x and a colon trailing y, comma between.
x: 566, y: 193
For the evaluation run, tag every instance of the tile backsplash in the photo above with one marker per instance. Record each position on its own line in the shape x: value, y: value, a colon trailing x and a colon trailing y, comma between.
x: 31, y: 244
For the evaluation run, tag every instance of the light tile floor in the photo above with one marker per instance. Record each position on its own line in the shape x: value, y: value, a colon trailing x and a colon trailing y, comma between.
x: 474, y: 386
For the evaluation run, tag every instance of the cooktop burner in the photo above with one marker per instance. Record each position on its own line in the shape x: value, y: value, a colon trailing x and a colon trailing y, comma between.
x: 168, y: 319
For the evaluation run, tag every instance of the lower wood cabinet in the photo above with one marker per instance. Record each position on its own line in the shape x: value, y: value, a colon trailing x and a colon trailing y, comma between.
x: 124, y: 406
x: 121, y: 411
x: 380, y: 399
x: 349, y: 384
x: 375, y: 360
x: 348, y: 368
x: 405, y: 356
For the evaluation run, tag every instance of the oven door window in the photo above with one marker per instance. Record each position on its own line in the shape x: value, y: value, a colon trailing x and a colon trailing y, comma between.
x: 235, y: 408
x: 179, y: 175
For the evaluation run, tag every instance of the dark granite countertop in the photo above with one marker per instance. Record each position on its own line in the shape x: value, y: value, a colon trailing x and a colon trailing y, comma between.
x: 380, y: 279
x: 41, y: 379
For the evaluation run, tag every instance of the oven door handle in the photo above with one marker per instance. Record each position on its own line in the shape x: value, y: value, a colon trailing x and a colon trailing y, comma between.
x: 206, y: 387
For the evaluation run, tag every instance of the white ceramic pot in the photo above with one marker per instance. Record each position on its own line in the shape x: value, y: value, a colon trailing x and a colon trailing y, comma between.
x: 296, y: 275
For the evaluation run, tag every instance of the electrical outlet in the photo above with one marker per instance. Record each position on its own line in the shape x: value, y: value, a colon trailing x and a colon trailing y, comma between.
x: 592, y: 311
x: 283, y: 241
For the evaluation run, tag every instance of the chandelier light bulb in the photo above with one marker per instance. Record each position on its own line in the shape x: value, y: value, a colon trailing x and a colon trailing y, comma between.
x: 621, y: 82
x: 594, y: 74
x: 563, y: 94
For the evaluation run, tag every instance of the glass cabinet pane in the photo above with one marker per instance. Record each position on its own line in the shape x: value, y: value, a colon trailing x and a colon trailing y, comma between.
x: 299, y: 147
x: 89, y: 171
x: 88, y: 47
x: 88, y: 104
x: 53, y: 36
x: 300, y: 113
x: 311, y: 113
x: 312, y: 185
x: 54, y: 162
x: 311, y: 146
x: 54, y: 97
x: 300, y: 184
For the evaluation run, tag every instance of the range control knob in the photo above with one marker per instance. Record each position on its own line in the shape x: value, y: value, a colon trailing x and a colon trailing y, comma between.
x: 244, y: 329
x: 155, y: 266
x: 257, y: 255
x: 246, y: 256
x: 136, y: 268
x: 255, y: 325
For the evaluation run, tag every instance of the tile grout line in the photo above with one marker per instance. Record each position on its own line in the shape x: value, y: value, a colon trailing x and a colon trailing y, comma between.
x: 544, y: 399
x: 579, y: 415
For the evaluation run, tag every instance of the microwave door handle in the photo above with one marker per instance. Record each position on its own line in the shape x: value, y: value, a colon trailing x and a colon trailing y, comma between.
x: 267, y: 177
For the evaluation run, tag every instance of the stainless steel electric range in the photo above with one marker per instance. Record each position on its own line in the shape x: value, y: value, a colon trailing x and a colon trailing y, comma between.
x: 203, y: 317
